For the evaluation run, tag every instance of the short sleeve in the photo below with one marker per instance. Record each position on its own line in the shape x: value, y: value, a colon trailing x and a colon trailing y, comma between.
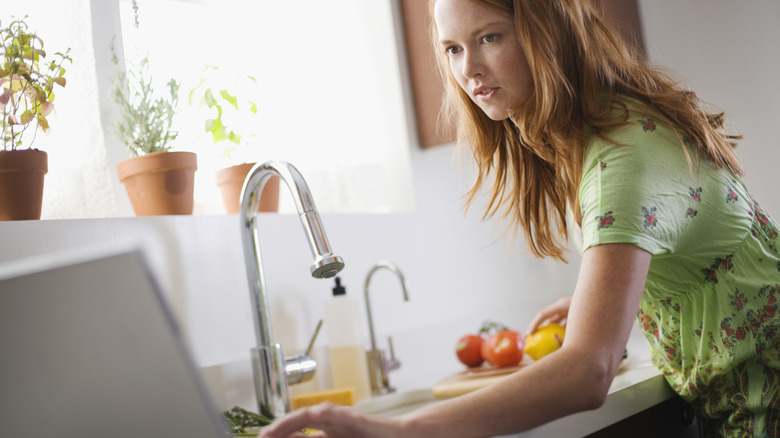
x: 633, y: 188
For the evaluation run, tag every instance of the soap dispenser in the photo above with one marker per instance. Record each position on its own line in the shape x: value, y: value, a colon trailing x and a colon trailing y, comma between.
x: 348, y: 363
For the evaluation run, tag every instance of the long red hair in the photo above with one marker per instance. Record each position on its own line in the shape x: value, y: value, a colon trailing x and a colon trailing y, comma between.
x: 583, y: 74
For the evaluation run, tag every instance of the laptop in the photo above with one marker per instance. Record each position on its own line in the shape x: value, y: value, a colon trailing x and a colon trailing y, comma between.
x: 89, y: 348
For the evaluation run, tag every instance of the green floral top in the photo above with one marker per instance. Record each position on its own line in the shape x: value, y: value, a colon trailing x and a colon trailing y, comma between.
x: 710, y: 304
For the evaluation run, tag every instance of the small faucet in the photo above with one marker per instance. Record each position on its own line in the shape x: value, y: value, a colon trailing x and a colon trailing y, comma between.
x: 272, y: 371
x: 378, y: 365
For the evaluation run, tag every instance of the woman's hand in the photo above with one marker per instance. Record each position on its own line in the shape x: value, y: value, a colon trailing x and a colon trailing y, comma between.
x: 332, y: 421
x: 554, y: 313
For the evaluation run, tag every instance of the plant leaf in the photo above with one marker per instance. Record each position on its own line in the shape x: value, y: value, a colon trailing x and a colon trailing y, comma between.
x: 43, y: 123
x: 47, y: 108
x: 209, y: 97
x: 231, y: 99
x: 26, y: 117
x: 5, y: 97
x: 217, y: 130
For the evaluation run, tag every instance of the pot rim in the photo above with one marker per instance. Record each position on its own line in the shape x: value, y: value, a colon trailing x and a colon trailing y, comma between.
x: 161, y: 161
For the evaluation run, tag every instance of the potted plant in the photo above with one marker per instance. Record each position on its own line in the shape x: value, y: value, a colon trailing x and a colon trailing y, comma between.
x: 158, y: 181
x: 225, y: 99
x: 26, y: 95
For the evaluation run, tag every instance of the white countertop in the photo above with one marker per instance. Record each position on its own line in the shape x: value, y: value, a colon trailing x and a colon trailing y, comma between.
x: 638, y: 387
x: 632, y: 391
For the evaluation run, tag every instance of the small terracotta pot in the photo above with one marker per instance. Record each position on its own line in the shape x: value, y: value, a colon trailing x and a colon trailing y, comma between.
x: 160, y: 183
x: 21, y: 184
x: 230, y: 181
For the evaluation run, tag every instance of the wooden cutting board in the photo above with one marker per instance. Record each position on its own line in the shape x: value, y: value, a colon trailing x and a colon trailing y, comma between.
x: 471, y: 379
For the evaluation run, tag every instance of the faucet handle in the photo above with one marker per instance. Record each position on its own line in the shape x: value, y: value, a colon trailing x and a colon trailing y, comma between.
x: 300, y: 368
x: 393, y: 363
x: 314, y: 337
x: 379, y: 368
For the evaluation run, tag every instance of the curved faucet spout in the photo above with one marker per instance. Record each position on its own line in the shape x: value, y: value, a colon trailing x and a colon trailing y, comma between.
x: 270, y: 367
x: 325, y: 264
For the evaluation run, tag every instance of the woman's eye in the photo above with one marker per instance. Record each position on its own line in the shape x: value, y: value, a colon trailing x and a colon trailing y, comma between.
x: 489, y: 38
x: 452, y: 50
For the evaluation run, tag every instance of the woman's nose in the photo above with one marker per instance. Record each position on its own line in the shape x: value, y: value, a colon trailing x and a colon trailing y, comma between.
x: 472, y: 64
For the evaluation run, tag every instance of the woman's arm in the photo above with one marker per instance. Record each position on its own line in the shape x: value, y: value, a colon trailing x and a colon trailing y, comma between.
x: 574, y: 378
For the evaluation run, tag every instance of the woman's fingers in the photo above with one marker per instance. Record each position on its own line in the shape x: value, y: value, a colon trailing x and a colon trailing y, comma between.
x: 292, y: 425
x: 556, y: 312
x: 332, y: 421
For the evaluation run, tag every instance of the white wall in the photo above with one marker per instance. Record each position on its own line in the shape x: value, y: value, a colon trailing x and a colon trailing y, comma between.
x: 729, y: 53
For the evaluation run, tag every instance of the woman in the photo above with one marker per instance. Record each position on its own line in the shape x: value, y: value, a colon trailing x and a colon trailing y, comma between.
x: 571, y: 127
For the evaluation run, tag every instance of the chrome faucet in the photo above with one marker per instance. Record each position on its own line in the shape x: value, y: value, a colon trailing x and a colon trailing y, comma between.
x: 272, y: 371
x: 379, y: 366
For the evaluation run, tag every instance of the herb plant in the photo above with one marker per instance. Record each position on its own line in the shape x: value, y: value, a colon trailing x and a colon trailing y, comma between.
x: 145, y: 120
x: 238, y: 420
x: 226, y: 99
x: 26, y: 83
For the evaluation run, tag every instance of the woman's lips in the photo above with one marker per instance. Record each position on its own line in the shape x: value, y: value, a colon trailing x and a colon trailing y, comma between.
x: 485, y: 93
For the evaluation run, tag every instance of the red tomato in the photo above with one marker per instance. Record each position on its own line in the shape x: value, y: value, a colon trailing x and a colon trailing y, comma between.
x: 503, y: 349
x: 468, y: 350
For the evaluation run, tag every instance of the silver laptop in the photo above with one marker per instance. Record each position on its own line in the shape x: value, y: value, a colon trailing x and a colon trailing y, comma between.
x: 88, y: 348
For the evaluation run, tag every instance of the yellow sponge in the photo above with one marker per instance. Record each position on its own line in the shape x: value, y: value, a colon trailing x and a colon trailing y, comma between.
x: 339, y: 396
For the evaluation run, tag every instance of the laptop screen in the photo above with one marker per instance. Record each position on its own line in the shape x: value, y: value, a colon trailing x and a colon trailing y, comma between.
x: 89, y: 348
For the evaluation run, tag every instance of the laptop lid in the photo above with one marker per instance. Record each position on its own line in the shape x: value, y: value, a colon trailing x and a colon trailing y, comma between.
x: 89, y: 348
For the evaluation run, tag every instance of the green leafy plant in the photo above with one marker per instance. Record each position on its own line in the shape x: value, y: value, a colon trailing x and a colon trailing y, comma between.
x: 225, y: 98
x: 145, y: 120
x: 240, y: 422
x: 26, y: 83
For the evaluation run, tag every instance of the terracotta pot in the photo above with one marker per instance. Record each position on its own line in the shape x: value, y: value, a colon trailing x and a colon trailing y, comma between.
x: 230, y: 181
x: 21, y: 184
x: 160, y: 183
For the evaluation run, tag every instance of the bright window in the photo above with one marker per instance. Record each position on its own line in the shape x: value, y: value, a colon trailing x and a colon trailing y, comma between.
x: 78, y: 183
x: 328, y: 91
x: 329, y: 95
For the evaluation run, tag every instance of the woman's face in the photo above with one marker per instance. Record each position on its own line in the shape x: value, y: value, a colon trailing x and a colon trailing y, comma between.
x: 484, y: 54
